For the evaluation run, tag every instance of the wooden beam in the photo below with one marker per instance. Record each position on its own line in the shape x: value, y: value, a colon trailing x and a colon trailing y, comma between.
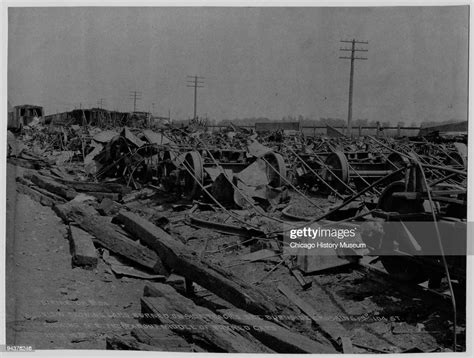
x: 83, y: 249
x: 97, y: 187
x: 50, y: 199
x: 53, y: 186
x: 185, y: 317
x: 186, y: 263
x: 36, y: 195
x: 274, y: 336
x: 105, y: 233
x: 57, y: 199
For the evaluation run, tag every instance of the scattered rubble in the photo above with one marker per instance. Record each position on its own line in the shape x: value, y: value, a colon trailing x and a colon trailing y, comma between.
x: 208, y: 213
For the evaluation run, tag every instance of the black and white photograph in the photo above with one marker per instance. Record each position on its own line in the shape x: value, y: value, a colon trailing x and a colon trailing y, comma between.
x: 236, y: 179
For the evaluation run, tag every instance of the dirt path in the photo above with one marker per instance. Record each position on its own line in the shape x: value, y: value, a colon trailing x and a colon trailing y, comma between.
x: 49, y: 304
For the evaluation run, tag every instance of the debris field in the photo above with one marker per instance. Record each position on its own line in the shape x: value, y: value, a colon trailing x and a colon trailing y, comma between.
x: 195, y: 224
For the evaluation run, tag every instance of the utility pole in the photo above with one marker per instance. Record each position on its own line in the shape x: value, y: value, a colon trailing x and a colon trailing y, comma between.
x: 136, y: 95
x: 196, y: 82
x: 353, y: 50
x: 100, y: 103
x: 153, y: 107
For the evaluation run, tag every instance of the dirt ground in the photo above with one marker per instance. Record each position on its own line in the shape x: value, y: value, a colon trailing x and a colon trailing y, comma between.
x: 49, y: 304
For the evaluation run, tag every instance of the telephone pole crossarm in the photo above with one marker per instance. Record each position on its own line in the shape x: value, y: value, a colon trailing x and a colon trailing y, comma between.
x: 356, y: 42
x: 353, y: 58
x: 356, y: 49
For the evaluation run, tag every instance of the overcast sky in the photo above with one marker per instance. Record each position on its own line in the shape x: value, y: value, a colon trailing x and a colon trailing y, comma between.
x: 268, y: 62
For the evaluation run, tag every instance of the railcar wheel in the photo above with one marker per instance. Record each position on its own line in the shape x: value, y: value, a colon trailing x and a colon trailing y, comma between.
x: 193, y: 183
x: 339, y: 166
x: 276, y: 170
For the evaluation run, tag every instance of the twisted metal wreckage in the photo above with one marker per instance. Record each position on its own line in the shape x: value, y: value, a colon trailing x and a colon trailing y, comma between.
x: 408, y: 196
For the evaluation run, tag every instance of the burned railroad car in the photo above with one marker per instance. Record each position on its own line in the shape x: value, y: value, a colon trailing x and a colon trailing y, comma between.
x: 23, y: 115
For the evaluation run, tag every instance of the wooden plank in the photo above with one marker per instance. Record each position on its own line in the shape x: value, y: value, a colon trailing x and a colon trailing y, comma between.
x: 280, y: 339
x: 332, y: 328
x: 210, y: 332
x: 57, y: 199
x: 43, y: 196
x: 36, y: 195
x: 83, y: 249
x: 49, y: 195
x: 22, y: 180
x: 105, y: 233
x: 97, y: 187
x: 53, y: 186
x: 184, y: 262
x: 200, y: 323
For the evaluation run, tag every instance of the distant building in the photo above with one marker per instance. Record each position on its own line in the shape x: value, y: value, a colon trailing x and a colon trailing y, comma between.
x: 460, y: 127
x: 96, y: 117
